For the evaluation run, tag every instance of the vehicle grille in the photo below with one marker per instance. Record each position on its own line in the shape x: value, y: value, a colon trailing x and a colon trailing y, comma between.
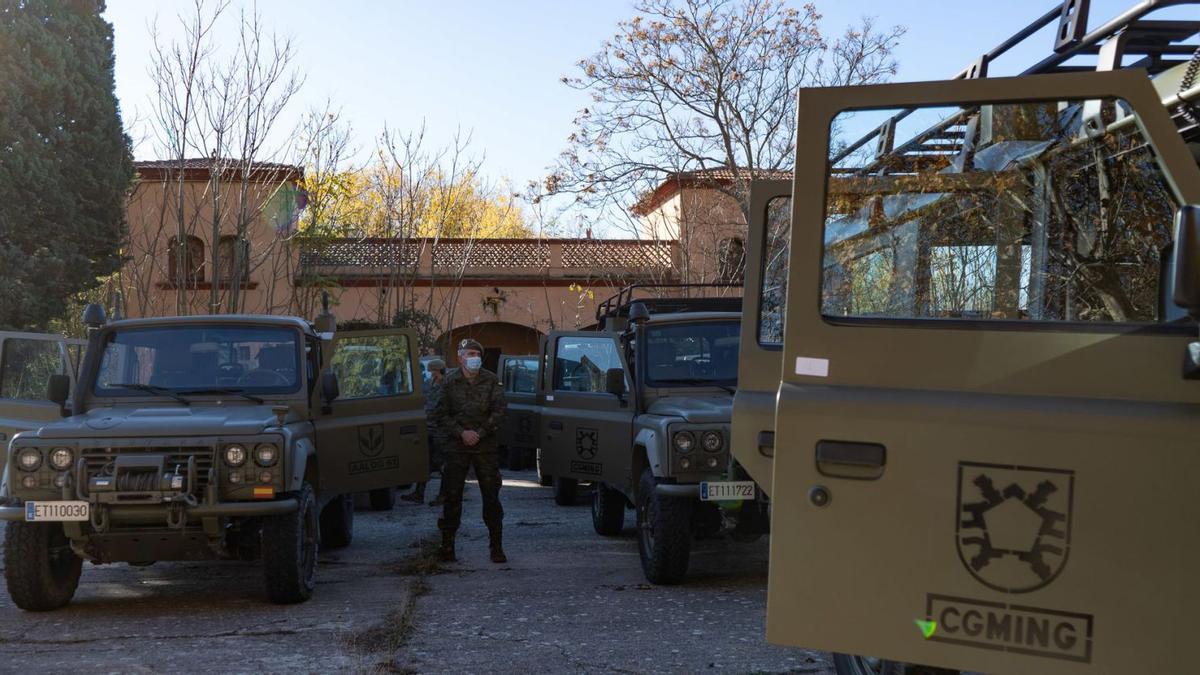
x: 99, y: 459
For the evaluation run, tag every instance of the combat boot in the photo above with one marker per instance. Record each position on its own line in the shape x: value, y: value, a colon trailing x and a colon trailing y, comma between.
x: 417, y: 495
x: 494, y: 543
x: 446, y: 552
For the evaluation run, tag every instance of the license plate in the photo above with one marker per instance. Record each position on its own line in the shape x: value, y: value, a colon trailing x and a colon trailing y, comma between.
x: 741, y: 490
x: 56, y: 511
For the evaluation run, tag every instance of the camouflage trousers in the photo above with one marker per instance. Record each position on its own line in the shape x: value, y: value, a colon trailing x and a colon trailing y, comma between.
x: 454, y: 478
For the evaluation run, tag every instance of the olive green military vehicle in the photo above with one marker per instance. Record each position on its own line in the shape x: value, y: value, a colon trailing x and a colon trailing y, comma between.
x: 980, y: 445
x: 641, y: 409
x: 518, y: 435
x: 209, y: 437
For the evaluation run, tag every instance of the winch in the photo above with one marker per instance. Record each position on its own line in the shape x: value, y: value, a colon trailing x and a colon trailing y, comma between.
x: 143, y: 479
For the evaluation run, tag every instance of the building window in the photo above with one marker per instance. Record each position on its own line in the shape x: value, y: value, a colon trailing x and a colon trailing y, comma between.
x: 228, y: 256
x: 193, y: 260
x: 731, y: 257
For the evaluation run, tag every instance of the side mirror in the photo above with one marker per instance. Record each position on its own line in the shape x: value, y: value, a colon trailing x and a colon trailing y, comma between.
x: 58, y: 390
x: 329, y: 389
x: 614, y: 381
x: 1187, y: 260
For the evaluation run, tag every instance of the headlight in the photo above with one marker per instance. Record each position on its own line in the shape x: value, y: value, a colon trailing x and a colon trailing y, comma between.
x: 266, y: 454
x: 29, y: 459
x: 61, y: 458
x: 712, y: 441
x: 684, y: 441
x: 235, y: 455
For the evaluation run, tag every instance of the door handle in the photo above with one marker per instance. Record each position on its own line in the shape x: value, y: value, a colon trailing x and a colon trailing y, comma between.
x: 851, y: 459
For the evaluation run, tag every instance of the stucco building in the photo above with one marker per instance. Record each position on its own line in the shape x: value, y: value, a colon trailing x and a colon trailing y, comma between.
x: 199, y: 244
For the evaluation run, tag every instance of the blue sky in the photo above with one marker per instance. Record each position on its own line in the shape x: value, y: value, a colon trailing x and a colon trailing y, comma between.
x: 493, y: 67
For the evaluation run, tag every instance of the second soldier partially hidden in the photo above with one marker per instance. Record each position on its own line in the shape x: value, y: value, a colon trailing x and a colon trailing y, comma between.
x: 469, y: 414
x: 437, y: 439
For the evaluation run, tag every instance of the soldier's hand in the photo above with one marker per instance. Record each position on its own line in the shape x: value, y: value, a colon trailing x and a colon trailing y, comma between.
x: 470, y: 438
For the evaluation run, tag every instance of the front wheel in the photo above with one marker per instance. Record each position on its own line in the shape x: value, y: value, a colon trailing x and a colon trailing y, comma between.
x: 40, y: 568
x: 289, y: 551
x: 852, y: 664
x: 337, y: 522
x: 608, y: 510
x: 383, y: 499
x: 565, y: 490
x: 664, y: 532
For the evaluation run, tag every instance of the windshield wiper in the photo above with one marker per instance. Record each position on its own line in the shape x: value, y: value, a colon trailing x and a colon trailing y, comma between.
x: 149, y: 388
x: 224, y: 390
x: 698, y: 383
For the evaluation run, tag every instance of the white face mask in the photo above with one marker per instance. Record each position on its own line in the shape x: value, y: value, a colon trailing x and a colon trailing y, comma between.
x: 473, y: 363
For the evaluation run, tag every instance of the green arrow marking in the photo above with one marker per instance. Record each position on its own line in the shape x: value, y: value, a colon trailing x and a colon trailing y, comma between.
x: 927, y: 627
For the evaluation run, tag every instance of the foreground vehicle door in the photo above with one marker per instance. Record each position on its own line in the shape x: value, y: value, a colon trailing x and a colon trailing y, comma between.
x: 586, y: 431
x: 374, y: 434
x: 27, y: 360
x: 761, y: 352
x: 985, y: 455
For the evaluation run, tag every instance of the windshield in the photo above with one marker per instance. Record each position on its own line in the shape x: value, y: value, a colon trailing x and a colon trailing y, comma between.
x: 692, y: 354
x: 248, y: 359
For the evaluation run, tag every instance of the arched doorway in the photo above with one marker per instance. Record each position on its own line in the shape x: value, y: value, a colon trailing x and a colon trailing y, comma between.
x: 497, y: 337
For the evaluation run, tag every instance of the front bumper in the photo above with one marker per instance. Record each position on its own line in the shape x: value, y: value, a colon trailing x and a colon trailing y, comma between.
x: 132, y: 513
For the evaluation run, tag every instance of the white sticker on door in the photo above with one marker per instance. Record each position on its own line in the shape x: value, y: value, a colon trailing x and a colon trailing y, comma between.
x: 812, y: 367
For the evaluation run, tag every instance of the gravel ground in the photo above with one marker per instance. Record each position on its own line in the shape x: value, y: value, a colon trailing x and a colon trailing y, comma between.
x: 568, y: 601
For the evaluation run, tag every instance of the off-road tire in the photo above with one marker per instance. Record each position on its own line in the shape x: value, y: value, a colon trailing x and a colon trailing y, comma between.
x: 608, y: 510
x: 516, y: 458
x: 383, y: 499
x: 337, y: 522
x: 565, y: 491
x: 544, y: 479
x: 289, y: 551
x: 664, y: 533
x: 849, y: 664
x: 40, y: 568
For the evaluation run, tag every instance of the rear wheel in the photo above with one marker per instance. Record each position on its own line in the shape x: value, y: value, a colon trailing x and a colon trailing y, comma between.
x: 337, y: 522
x: 40, y: 568
x: 608, y: 510
x: 383, y: 499
x: 565, y: 490
x: 664, y: 532
x: 289, y: 547
x: 516, y: 458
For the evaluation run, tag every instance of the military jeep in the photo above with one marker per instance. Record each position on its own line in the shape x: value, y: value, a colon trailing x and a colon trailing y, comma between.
x: 641, y: 408
x: 984, y: 295
x: 210, y: 437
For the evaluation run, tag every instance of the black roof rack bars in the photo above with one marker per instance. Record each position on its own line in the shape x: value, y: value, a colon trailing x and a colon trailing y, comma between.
x: 618, y: 305
x: 1160, y: 44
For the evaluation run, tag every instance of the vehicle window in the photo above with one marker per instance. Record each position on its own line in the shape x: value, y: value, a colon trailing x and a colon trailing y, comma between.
x: 772, y: 308
x: 25, y: 367
x: 251, y: 359
x: 520, y: 375
x: 692, y: 354
x: 580, y: 363
x: 374, y: 365
x: 997, y: 212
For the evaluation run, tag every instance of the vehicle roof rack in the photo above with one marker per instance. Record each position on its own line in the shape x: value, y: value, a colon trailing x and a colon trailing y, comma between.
x: 615, y: 308
x: 1127, y: 41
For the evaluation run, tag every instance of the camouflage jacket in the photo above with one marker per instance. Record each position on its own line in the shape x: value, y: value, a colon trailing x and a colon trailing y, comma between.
x: 478, y: 406
x: 433, y: 394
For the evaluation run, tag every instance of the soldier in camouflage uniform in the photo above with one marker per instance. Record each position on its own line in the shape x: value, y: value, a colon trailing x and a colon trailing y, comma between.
x: 437, y: 439
x: 470, y: 412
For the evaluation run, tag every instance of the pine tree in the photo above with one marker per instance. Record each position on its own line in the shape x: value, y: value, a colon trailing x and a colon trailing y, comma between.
x: 65, y: 162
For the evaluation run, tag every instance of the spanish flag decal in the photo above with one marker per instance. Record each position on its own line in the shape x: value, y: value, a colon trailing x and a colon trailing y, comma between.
x: 264, y: 492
